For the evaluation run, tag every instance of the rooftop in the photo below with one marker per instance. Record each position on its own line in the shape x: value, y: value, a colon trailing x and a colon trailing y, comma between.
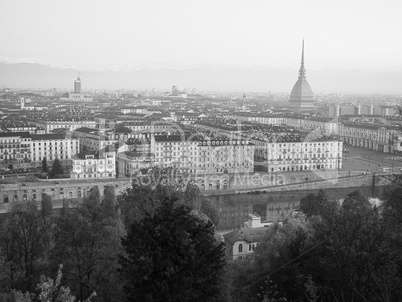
x: 247, y: 234
x: 87, y: 130
x: 175, y: 138
x: 37, y: 137
x: 15, y: 134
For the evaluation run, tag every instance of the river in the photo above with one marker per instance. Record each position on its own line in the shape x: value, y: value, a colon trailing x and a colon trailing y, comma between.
x: 234, y: 209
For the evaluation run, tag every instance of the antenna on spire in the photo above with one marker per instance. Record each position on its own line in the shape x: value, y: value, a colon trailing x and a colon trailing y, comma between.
x: 302, y: 71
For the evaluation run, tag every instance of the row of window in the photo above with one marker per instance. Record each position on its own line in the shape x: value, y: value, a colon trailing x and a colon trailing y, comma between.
x: 96, y: 175
x: 251, y: 247
x: 305, y: 167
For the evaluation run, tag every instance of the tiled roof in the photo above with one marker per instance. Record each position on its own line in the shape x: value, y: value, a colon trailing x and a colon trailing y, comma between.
x: 37, y: 137
x: 174, y: 138
x: 87, y: 130
x: 15, y: 134
x: 82, y: 155
x: 247, y: 234
x: 138, y: 154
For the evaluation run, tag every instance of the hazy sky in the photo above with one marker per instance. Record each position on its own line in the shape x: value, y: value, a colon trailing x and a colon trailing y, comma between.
x: 365, y: 35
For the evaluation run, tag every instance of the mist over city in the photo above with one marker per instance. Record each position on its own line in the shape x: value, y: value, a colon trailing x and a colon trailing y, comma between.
x: 200, y: 151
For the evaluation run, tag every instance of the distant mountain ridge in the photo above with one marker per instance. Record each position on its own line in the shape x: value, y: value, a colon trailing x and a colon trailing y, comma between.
x: 207, y: 78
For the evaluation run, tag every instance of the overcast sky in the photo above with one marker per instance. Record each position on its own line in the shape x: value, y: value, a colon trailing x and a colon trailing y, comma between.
x: 364, y: 35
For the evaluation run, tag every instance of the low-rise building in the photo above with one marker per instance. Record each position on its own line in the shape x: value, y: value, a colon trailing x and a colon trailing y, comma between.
x: 242, y: 242
x: 130, y: 162
x: 94, y: 165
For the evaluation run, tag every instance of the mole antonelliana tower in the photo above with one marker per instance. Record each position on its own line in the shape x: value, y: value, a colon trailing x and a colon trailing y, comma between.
x: 301, y: 97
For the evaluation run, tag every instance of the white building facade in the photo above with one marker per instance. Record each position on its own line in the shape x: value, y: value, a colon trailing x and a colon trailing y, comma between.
x: 299, y: 155
x: 94, y: 165
x: 52, y: 146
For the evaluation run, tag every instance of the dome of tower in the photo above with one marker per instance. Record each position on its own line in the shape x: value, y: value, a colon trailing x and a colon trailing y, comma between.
x: 301, y: 91
x: 301, y: 97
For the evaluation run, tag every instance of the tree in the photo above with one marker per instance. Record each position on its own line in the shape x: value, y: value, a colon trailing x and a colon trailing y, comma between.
x: 94, y: 195
x: 57, y: 169
x: 87, y: 246
x: 318, y: 204
x: 44, y: 165
x: 172, y: 256
x: 209, y: 208
x: 46, y: 205
x: 347, y: 253
x: 356, y: 259
x: 50, y: 291
x: 109, y: 201
x: 393, y: 206
x: 277, y: 248
x: 149, y: 190
x: 25, y: 241
x: 309, y: 205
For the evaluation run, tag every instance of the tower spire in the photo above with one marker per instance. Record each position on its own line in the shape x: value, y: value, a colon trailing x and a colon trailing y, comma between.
x: 302, y: 70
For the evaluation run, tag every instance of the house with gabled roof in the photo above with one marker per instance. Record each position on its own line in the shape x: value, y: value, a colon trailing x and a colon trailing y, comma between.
x: 242, y: 242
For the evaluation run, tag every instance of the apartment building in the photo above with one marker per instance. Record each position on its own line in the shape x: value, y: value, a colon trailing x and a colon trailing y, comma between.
x: 372, y: 136
x: 23, y: 128
x: 176, y: 150
x: 293, y: 153
x: 225, y: 155
x: 201, y: 156
x: 221, y: 128
x: 330, y: 126
x: 15, y: 151
x: 94, y: 165
x: 69, y: 125
x: 52, y: 146
x: 151, y: 127
x: 92, y: 139
x: 130, y: 162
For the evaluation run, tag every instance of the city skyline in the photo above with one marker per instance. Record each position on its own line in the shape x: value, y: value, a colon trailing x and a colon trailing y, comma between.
x: 148, y: 146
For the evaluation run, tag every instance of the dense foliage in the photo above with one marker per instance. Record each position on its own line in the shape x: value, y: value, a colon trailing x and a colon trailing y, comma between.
x: 86, y: 239
x: 57, y: 168
x: 44, y: 165
x: 156, y: 242
x: 348, y: 251
x: 172, y: 255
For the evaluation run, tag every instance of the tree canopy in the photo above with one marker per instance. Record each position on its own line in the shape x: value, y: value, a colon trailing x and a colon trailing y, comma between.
x: 44, y: 165
x: 337, y: 252
x: 172, y: 255
x: 57, y: 168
